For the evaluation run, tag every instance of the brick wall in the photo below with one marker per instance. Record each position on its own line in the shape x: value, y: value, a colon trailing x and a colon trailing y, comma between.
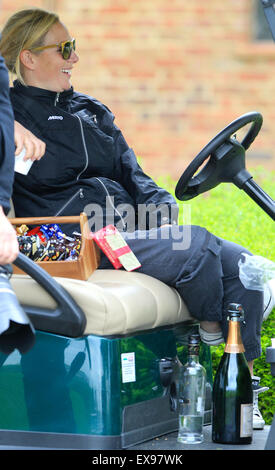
x: 174, y: 72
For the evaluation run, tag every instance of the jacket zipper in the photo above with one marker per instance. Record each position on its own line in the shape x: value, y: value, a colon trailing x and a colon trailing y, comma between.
x: 101, y: 182
x: 111, y: 202
x: 81, y: 195
x: 56, y: 99
x: 82, y: 137
x: 85, y: 149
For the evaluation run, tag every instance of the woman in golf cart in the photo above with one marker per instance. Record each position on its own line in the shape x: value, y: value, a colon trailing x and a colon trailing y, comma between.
x: 88, y: 162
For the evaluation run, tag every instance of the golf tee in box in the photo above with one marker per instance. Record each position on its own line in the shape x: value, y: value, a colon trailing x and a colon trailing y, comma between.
x: 115, y: 248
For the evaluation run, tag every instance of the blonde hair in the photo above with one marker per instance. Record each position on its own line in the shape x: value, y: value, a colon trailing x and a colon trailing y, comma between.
x: 26, y: 29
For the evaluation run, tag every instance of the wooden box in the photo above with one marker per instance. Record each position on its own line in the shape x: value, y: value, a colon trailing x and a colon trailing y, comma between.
x: 89, y: 256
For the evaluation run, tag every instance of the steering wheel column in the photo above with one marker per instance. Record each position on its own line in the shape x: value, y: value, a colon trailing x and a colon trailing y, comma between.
x: 225, y: 163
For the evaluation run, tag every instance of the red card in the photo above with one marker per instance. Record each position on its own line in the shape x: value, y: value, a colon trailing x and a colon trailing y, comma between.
x: 115, y: 248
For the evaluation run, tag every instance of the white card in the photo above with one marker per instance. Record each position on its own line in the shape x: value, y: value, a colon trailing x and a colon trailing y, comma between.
x: 20, y: 165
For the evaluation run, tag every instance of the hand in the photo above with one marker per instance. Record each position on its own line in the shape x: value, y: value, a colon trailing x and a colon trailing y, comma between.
x: 9, y: 248
x: 35, y: 148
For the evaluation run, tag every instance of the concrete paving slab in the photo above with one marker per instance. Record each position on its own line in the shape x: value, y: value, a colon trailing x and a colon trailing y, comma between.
x: 169, y: 442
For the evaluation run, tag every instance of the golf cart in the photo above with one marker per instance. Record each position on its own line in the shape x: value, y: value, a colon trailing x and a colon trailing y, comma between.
x: 102, y: 373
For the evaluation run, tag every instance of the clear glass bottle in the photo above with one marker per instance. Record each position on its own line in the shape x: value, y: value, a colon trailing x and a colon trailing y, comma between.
x: 191, y: 389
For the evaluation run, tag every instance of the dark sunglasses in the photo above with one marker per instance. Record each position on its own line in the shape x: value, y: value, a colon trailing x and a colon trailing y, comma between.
x: 65, y: 48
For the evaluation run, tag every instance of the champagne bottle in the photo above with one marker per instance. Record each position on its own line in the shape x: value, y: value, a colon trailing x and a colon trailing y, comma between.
x: 192, y: 384
x: 232, y: 391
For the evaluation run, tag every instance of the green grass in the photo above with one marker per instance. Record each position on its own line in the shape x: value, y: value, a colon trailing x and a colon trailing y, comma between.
x: 230, y: 213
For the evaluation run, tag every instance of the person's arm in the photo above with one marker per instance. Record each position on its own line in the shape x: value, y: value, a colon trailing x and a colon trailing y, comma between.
x: 145, y: 192
x: 9, y: 248
x: 13, y: 137
x: 6, y: 140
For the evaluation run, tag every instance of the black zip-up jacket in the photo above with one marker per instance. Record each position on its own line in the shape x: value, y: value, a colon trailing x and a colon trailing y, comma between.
x: 7, y: 147
x: 87, y: 165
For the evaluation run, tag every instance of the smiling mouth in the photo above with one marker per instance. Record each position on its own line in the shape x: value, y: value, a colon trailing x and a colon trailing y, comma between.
x: 68, y: 72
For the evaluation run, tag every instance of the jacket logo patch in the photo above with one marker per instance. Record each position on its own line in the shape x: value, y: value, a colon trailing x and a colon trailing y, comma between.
x: 55, y: 117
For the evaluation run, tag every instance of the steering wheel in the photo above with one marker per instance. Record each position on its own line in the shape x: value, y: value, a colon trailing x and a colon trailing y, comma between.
x: 225, y: 157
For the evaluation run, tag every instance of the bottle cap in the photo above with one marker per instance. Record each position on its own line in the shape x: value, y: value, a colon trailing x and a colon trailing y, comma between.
x: 235, y: 312
x: 194, y: 339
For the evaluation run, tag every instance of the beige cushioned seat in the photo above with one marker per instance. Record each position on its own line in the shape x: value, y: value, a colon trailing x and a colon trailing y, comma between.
x: 115, y: 302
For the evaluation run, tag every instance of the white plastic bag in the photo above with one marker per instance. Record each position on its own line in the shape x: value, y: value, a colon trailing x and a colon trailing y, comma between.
x: 255, y: 271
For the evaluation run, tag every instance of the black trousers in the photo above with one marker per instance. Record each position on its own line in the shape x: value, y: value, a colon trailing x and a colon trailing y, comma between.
x: 204, y: 270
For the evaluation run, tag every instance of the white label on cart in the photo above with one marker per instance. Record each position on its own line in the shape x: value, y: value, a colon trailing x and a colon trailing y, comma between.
x: 128, y: 367
x: 246, y: 420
